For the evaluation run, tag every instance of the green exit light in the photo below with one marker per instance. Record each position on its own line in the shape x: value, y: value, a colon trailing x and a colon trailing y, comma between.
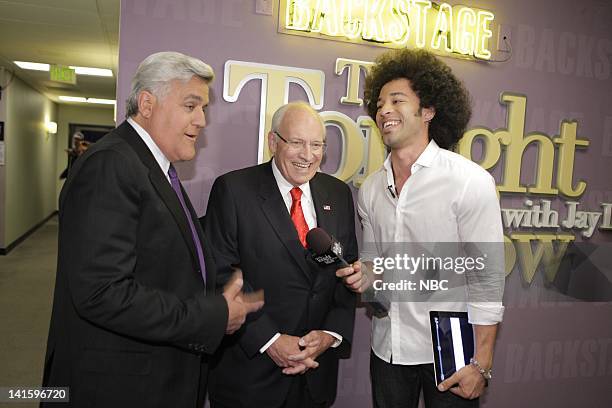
x: 62, y: 73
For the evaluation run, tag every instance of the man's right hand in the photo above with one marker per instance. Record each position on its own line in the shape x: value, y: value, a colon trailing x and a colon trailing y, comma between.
x: 239, y: 304
x: 354, y: 278
x: 285, y: 346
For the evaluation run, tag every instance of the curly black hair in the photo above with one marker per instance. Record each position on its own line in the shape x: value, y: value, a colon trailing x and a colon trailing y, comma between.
x: 435, y: 85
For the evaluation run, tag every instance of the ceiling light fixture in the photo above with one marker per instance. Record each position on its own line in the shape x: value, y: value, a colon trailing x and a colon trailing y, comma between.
x: 72, y: 98
x: 87, y: 100
x: 35, y: 66
x: 101, y: 101
x: 103, y: 72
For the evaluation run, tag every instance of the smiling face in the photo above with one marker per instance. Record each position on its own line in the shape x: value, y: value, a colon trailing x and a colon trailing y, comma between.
x: 399, y: 117
x: 298, y: 166
x: 175, y: 120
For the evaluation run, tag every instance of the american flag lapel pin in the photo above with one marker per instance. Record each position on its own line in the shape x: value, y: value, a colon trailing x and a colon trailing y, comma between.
x: 327, y: 207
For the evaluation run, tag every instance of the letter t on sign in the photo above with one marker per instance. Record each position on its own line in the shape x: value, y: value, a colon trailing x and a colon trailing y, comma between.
x: 275, y: 80
x: 352, y: 81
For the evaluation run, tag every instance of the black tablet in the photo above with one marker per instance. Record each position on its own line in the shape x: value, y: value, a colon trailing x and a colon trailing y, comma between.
x: 453, y: 342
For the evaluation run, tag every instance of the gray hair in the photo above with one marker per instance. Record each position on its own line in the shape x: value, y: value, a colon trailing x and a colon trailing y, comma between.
x: 278, y: 116
x: 158, y: 70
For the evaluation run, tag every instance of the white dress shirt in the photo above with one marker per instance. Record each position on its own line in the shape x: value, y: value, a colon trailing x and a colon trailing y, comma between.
x: 160, y: 158
x: 310, y: 215
x: 285, y: 189
x: 447, y: 198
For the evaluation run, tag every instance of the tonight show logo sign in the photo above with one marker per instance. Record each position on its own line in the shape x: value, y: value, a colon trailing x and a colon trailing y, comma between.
x: 363, y: 153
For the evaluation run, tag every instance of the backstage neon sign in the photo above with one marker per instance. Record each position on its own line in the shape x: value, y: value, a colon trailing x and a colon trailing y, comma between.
x: 451, y: 30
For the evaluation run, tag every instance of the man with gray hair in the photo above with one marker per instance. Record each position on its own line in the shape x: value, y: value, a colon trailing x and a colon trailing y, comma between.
x: 135, y: 314
x: 287, y: 354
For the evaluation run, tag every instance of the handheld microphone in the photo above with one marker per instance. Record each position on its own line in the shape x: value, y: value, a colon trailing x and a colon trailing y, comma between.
x: 328, y: 251
x: 325, y: 249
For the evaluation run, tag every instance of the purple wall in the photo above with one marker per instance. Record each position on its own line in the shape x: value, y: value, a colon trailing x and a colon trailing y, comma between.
x: 552, y: 351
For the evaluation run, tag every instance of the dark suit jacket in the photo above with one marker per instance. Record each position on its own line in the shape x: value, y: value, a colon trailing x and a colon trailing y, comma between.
x: 248, y: 225
x: 131, y: 321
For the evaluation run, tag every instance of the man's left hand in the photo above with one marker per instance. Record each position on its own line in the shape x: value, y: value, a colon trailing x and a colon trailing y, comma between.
x: 467, y: 383
x: 314, y: 343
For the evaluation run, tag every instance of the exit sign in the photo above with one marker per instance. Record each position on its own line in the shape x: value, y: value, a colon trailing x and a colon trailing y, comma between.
x: 62, y: 73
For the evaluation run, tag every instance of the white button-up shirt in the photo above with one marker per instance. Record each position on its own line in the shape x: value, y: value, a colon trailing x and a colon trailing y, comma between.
x: 447, y: 198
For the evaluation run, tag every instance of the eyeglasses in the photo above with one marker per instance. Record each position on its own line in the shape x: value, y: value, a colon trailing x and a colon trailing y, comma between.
x: 315, y: 147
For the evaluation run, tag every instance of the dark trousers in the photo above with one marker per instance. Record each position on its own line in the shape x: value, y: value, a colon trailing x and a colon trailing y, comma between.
x: 297, y: 397
x: 399, y: 386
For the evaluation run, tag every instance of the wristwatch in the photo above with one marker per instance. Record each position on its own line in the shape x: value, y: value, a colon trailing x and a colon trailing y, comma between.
x: 487, y: 374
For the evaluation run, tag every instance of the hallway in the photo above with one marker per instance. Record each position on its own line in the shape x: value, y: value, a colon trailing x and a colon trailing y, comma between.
x: 27, y: 277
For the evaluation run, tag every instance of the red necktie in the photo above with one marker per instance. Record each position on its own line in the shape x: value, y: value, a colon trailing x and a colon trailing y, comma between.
x: 297, y: 215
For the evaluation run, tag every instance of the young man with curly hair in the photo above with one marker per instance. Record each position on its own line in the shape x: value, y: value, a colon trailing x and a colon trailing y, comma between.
x: 424, y: 193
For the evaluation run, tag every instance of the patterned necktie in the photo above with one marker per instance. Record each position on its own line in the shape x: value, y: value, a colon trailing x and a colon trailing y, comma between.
x: 176, y: 185
x: 297, y: 215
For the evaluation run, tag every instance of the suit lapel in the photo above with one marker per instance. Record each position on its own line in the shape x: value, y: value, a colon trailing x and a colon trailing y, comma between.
x: 162, y: 186
x: 325, y: 208
x: 274, y: 209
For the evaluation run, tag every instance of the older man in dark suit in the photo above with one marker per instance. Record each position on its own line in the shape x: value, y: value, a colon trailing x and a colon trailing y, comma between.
x: 258, y: 218
x: 135, y: 314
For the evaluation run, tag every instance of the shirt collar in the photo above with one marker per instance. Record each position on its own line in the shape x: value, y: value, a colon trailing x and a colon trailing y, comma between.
x: 425, y: 159
x: 160, y: 158
x: 285, y: 187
